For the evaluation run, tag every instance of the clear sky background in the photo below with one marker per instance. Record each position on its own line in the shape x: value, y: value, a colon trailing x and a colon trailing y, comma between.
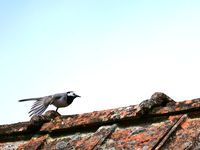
x: 113, y: 53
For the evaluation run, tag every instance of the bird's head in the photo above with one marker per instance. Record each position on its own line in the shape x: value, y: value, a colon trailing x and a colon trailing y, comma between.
x: 72, y: 95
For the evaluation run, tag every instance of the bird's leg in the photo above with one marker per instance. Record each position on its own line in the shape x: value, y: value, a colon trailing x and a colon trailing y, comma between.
x: 57, y: 109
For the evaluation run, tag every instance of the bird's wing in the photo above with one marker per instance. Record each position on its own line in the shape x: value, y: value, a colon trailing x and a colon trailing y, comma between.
x: 40, y: 105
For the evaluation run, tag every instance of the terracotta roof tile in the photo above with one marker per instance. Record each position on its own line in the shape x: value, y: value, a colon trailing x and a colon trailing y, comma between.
x: 186, y: 136
x: 35, y: 143
x: 156, y: 123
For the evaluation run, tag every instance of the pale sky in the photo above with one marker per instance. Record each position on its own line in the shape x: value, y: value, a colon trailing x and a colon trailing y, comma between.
x: 113, y: 53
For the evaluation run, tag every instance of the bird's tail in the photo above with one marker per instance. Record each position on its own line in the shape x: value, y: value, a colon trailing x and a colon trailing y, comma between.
x: 29, y: 99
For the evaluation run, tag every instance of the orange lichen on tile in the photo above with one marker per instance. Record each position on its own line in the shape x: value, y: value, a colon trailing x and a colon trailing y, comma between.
x: 185, y: 125
x: 34, y: 143
x: 175, y: 117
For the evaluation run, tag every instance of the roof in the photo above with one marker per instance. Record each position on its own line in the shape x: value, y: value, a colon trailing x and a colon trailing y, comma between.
x: 156, y: 123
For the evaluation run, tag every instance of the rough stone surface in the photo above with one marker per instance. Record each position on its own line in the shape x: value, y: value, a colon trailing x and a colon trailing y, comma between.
x: 156, y: 123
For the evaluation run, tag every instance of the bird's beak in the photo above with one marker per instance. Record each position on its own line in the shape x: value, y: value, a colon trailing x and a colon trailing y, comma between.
x: 78, y: 96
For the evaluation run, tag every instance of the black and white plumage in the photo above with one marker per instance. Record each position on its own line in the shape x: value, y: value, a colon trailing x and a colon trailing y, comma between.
x: 58, y: 100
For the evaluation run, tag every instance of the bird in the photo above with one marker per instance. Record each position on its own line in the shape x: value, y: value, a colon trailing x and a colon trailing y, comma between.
x: 58, y: 100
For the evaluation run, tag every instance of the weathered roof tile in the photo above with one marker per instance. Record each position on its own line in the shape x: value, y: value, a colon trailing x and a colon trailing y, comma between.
x: 186, y: 135
x: 157, y: 123
x: 33, y: 144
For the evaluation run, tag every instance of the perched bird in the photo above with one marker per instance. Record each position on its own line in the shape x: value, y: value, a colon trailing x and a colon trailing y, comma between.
x: 58, y: 100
